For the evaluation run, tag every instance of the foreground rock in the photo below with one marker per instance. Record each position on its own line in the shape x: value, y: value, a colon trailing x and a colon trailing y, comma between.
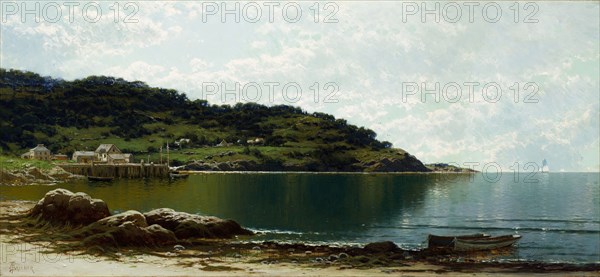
x: 186, y: 225
x: 62, y: 207
x: 131, y: 228
x: 125, y: 229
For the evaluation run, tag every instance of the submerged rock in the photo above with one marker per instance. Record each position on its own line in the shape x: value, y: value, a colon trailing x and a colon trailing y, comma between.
x: 186, y: 225
x: 61, y: 206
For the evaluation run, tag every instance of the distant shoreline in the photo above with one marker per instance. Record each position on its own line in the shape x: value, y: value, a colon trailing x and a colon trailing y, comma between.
x: 196, y: 172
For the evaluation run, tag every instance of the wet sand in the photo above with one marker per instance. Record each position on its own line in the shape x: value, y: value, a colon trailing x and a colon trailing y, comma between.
x: 26, y: 251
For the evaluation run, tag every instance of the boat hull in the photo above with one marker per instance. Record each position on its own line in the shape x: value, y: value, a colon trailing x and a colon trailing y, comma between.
x: 447, y: 241
x: 178, y: 176
x: 99, y: 179
x: 481, y: 244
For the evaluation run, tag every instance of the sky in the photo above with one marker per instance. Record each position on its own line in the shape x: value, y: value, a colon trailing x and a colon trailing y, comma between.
x: 515, y: 83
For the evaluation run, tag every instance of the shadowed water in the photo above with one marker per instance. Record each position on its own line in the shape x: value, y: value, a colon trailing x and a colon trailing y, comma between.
x: 558, y: 216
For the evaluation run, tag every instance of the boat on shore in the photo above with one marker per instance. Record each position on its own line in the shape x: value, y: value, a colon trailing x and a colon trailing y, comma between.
x: 476, y: 242
x: 99, y: 179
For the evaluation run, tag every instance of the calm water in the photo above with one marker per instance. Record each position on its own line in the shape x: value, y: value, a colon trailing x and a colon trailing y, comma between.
x: 559, y: 216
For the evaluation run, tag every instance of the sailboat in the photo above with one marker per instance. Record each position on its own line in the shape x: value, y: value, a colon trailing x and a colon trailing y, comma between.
x: 544, y: 168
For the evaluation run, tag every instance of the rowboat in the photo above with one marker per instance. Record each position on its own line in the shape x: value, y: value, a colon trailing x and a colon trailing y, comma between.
x: 486, y: 243
x: 447, y: 241
x: 477, y: 242
x: 99, y: 179
x: 178, y: 175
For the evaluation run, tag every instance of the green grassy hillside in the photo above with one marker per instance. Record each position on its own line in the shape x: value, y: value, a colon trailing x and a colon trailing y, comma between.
x: 81, y: 114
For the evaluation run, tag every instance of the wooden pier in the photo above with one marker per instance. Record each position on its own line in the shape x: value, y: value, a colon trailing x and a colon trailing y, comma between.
x: 129, y: 170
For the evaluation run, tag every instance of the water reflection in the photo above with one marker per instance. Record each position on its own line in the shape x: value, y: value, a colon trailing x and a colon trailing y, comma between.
x: 296, y: 202
x: 307, y: 202
x: 558, y: 216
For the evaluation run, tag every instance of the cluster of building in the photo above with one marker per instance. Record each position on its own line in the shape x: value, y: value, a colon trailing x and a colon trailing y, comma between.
x: 109, y: 153
x: 105, y: 153
x: 255, y: 141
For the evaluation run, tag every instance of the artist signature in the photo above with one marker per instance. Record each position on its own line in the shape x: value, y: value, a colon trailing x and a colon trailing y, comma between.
x: 13, y: 267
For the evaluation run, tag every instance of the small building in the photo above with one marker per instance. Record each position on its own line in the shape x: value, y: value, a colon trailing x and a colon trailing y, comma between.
x: 84, y: 156
x: 60, y: 157
x: 104, y: 149
x: 118, y: 158
x: 40, y: 152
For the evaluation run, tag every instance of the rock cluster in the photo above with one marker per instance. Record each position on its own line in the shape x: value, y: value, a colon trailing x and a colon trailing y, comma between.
x: 35, y: 175
x: 131, y: 228
x: 61, y: 206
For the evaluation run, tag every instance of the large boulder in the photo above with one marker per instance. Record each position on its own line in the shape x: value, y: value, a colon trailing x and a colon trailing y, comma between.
x: 61, y: 206
x: 107, y: 223
x: 125, y: 229
x: 186, y: 225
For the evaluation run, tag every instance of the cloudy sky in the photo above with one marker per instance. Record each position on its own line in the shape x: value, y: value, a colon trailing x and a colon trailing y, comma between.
x: 528, y: 77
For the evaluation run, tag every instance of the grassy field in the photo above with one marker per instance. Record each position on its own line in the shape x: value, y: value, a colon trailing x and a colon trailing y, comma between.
x: 8, y: 162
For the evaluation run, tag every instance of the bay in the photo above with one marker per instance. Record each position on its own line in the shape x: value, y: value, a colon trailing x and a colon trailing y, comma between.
x: 558, y: 214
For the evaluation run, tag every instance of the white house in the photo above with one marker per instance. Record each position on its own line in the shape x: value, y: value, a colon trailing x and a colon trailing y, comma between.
x: 104, y: 149
x: 40, y: 152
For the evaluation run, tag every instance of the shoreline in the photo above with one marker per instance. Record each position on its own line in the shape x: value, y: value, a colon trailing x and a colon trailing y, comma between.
x: 46, y: 253
x: 194, y: 172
